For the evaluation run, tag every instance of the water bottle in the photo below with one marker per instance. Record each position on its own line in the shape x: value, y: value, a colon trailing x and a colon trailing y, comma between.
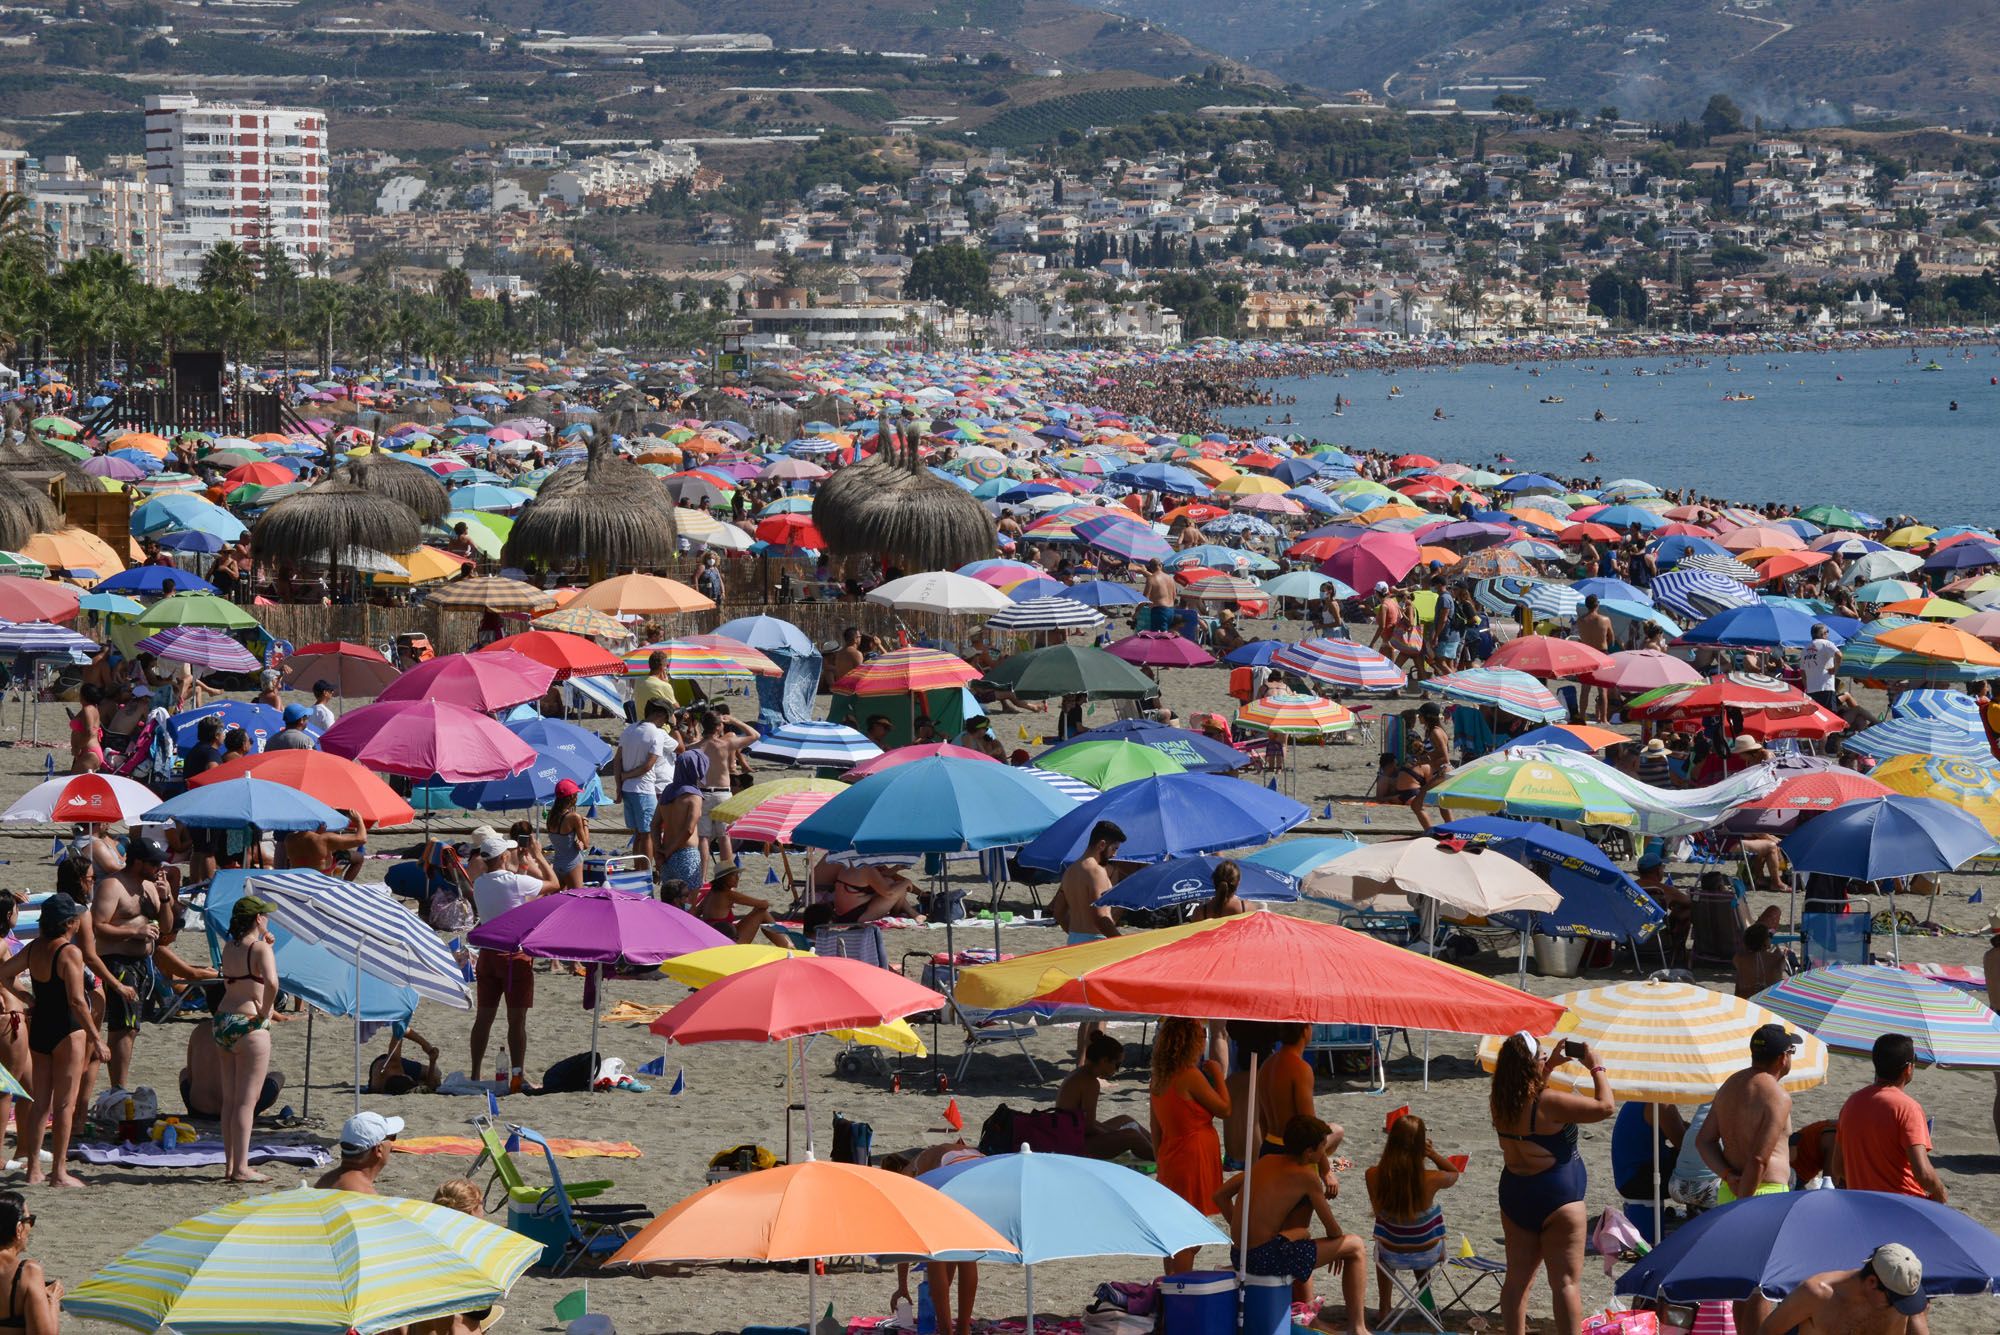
x: 926, y: 1315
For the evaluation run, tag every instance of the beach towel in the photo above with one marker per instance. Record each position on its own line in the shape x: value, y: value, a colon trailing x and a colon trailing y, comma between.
x: 469, y: 1146
x: 195, y: 1154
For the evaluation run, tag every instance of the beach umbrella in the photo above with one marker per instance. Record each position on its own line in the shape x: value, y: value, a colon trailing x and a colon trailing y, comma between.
x: 1817, y: 790
x: 567, y: 656
x: 90, y: 799
x: 486, y: 683
x: 1282, y: 714
x: 422, y: 739
x: 199, y: 647
x: 1051, y: 613
x: 767, y: 634
x: 775, y: 820
x: 742, y: 804
x: 585, y: 622
x: 699, y: 968
x: 1297, y: 858
x: 1946, y: 644
x: 641, y: 595
x: 1124, y: 536
x: 935, y: 806
x: 260, y: 722
x: 196, y: 609
x: 1580, y: 737
x: 1107, y: 764
x: 1696, y: 594
x: 1070, y: 669
x: 807, y: 1211
x: 940, y: 591
x: 1730, y: 690
x: 1159, y: 648
x: 346, y: 1262
x: 334, y: 780
x: 702, y: 656
x: 1770, y: 1245
x: 150, y: 581
x: 1558, y: 602
x: 236, y: 803
x: 1104, y: 593
x: 355, y: 671
x: 1634, y: 670
x: 1598, y: 900
x: 1530, y: 787
x: 1547, y: 657
x: 1761, y: 625
x: 909, y: 671
x: 1849, y: 1006
x: 1169, y: 816
x: 1970, y: 785
x: 39, y: 639
x: 1339, y: 663
x: 1885, y: 838
x: 815, y: 743
x: 1469, y: 877
x: 1373, y: 558
x: 1056, y: 1207
x: 1186, y: 882
x: 904, y: 755
x: 1504, y: 689
x: 490, y: 593
x: 1190, y: 750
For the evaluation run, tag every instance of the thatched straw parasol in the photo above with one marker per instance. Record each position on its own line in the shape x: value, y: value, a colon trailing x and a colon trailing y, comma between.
x: 32, y: 459
x: 411, y: 484
x: 25, y: 510
x: 602, y: 522
x: 331, y: 517
x: 893, y: 508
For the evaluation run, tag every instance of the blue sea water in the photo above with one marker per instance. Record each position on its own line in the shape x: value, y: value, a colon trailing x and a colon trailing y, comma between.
x: 1869, y: 430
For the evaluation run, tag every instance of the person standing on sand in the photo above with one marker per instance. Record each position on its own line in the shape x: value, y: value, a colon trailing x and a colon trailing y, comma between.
x: 1990, y: 962
x: 1746, y: 1141
x: 1594, y: 628
x: 63, y: 1037
x: 1076, y: 910
x: 242, y: 1030
x: 1161, y: 591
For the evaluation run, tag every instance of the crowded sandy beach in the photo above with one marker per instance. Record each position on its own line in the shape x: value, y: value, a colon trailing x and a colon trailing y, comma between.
x: 886, y: 841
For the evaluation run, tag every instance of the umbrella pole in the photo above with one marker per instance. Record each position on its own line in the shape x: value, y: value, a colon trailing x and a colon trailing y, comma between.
x: 357, y: 1027
x: 306, y: 1097
x: 805, y: 1092
x: 1658, y: 1208
x: 596, y: 1014
x: 1028, y: 1275
x: 1250, y: 1139
x: 1895, y: 926
x: 791, y: 1056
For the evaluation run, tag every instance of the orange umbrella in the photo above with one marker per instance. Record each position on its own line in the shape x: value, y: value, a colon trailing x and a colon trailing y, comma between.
x: 1443, y: 556
x: 334, y: 780
x: 1594, y: 737
x: 641, y: 595
x: 806, y: 1211
x: 570, y: 655
x: 1946, y: 643
x: 1790, y: 563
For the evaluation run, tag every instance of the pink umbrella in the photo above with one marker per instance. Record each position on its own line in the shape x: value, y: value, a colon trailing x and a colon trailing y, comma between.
x: 1160, y: 648
x: 423, y: 738
x: 1637, y: 670
x: 1373, y: 558
x: 487, y: 682
x: 903, y: 755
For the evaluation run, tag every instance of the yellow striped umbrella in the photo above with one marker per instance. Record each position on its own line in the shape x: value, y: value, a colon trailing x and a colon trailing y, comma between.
x: 743, y: 803
x: 699, y: 968
x: 307, y: 1262
x: 1970, y: 785
x: 1667, y: 1042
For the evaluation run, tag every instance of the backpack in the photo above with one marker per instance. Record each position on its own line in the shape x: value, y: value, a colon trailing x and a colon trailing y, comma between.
x: 1120, y: 1295
x: 853, y: 1142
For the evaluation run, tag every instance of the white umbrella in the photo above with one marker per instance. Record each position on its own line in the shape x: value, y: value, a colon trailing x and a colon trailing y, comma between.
x: 1471, y: 879
x: 940, y: 591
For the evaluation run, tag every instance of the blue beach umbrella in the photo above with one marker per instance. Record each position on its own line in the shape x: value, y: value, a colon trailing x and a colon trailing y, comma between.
x: 150, y: 580
x: 183, y: 511
x: 235, y: 803
x: 1187, y: 881
x: 1882, y: 838
x: 1169, y: 816
x: 1772, y: 1244
x: 1759, y: 625
x: 260, y: 721
x: 767, y: 634
x: 1299, y: 858
x: 305, y: 970
x: 1104, y: 593
x: 938, y: 805
x: 1598, y: 900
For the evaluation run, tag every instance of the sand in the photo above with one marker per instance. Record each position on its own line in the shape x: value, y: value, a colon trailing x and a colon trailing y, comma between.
x: 735, y: 1093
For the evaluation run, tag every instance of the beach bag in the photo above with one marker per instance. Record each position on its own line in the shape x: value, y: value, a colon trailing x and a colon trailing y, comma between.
x: 853, y: 1142
x: 1612, y: 1322
x: 1049, y: 1131
x: 996, y: 1133
x: 745, y: 1159
x: 571, y: 1075
x: 1126, y: 1298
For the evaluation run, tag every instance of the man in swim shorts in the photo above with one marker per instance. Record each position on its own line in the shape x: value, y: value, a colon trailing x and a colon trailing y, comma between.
x: 1287, y: 1191
x: 1746, y: 1140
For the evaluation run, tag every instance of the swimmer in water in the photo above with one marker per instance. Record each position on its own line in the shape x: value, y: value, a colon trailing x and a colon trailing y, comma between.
x: 1437, y: 414
x: 1598, y: 416
x: 1588, y: 459
x: 1954, y: 405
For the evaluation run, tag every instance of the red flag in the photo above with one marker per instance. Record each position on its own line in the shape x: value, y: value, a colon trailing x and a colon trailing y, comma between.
x: 1396, y: 1116
x: 952, y: 1117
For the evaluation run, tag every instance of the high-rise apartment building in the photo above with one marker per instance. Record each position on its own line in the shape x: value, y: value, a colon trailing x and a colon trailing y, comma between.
x: 80, y: 211
x: 247, y: 173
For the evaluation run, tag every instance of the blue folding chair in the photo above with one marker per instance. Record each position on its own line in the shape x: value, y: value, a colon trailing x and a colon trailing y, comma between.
x: 592, y: 1229
x: 1840, y: 931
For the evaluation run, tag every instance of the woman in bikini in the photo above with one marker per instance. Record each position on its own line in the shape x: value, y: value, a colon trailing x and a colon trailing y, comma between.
x: 14, y: 1053
x: 569, y: 836
x: 34, y: 1301
x: 86, y: 731
x: 1542, y: 1184
x: 715, y: 908
x: 242, y: 1030
x: 62, y: 1036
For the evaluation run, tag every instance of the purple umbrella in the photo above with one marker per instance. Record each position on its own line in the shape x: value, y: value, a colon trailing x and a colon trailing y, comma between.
x: 118, y: 470
x: 1160, y: 648
x: 198, y: 646
x: 597, y: 926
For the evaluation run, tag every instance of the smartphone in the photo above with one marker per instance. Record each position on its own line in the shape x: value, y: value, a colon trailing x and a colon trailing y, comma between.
x: 1572, y: 1050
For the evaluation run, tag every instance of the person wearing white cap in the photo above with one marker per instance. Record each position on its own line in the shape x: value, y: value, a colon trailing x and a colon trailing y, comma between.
x: 514, y: 876
x: 364, y: 1153
x: 1885, y: 1296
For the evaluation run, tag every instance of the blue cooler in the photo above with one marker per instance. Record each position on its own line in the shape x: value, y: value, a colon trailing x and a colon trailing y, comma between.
x: 1199, y: 1302
x: 1267, y: 1305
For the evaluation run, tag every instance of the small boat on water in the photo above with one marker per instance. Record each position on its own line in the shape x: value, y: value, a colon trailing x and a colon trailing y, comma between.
x: 1552, y: 398
x: 1739, y: 398
x: 1933, y: 366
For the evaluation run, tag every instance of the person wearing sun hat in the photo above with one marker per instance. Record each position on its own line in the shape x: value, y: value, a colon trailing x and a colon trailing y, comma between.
x: 1883, y: 1296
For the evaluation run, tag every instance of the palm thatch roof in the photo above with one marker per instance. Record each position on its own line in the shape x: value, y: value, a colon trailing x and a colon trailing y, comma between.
x: 25, y: 510
x: 601, y: 519
x: 411, y: 484
x: 35, y: 460
x: 893, y: 508
x: 333, y: 516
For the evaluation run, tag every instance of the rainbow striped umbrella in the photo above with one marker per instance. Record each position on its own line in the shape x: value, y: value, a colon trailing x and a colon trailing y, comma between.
x: 1340, y: 663
x: 1526, y: 786
x: 1666, y: 1042
x: 1509, y: 691
x: 344, y: 1262
x: 906, y: 671
x: 1849, y: 1006
x: 1296, y: 716
x: 200, y: 647
x: 1972, y: 786
x: 773, y: 820
x: 747, y: 801
x: 705, y: 656
x: 1226, y: 588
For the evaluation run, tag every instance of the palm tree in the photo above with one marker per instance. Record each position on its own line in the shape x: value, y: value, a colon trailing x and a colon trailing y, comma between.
x: 454, y: 289
x: 228, y: 269
x: 325, y: 304
x: 21, y: 232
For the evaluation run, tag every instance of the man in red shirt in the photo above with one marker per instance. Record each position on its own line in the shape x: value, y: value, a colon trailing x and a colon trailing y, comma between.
x: 1884, y: 1143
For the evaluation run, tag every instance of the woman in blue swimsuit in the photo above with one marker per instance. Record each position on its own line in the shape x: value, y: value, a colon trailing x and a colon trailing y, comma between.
x: 1542, y: 1183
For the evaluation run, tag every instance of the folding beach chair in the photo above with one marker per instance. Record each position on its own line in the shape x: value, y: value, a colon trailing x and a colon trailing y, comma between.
x: 596, y: 1229
x: 1476, y: 1271
x: 632, y: 874
x: 1335, y: 1038
x: 1416, y: 1291
x: 1837, y: 931
x: 508, y: 1175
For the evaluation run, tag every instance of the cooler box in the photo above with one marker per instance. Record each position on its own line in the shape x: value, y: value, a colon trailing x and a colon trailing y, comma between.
x: 547, y: 1229
x: 1267, y: 1305
x: 1199, y: 1302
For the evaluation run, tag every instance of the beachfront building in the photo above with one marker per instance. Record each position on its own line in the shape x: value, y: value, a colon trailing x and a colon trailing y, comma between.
x: 247, y: 173
x: 79, y: 212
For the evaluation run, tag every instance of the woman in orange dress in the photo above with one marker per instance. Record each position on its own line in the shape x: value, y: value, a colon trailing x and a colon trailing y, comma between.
x: 1188, y: 1095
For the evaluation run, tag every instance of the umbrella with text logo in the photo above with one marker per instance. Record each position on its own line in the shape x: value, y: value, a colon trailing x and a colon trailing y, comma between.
x: 92, y: 799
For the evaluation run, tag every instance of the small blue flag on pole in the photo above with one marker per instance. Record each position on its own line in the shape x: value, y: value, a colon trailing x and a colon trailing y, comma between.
x: 770, y: 876
x: 657, y: 1066
x: 680, y: 1080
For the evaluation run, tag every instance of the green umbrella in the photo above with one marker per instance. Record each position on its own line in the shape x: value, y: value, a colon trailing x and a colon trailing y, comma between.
x: 1831, y: 516
x: 1070, y: 669
x: 196, y: 609
x: 67, y: 447
x: 1110, y: 763
x: 13, y: 563
x: 1521, y: 786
